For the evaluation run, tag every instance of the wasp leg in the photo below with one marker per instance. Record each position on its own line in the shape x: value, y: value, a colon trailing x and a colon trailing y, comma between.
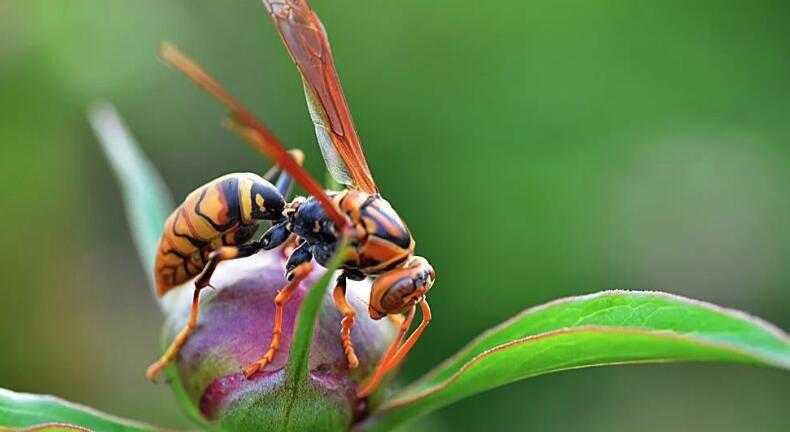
x: 413, y: 338
x: 349, y: 315
x: 276, y: 235
x: 374, y: 380
x: 221, y: 254
x: 279, y: 304
x: 299, y: 256
x: 388, y: 364
x: 298, y: 267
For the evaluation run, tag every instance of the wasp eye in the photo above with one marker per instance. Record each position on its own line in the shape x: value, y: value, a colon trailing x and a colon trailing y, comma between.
x: 399, y: 295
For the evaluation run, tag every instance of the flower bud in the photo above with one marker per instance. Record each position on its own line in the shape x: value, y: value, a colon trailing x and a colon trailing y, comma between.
x: 234, y: 330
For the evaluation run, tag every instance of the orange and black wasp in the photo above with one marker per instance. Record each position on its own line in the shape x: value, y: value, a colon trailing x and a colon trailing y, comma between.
x: 216, y: 222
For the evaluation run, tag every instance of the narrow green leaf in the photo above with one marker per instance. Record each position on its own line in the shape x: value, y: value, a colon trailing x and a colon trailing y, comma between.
x: 21, y: 410
x: 611, y: 327
x: 297, y: 369
x: 147, y: 200
x: 52, y: 427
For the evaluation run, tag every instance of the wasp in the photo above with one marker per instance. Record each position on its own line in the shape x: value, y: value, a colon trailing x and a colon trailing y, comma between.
x: 381, y: 246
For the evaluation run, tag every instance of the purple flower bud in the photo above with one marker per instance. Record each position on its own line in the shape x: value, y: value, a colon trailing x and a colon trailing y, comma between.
x: 234, y: 330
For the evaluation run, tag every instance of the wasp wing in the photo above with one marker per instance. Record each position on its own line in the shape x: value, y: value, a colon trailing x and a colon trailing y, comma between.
x: 323, y: 132
x: 307, y: 42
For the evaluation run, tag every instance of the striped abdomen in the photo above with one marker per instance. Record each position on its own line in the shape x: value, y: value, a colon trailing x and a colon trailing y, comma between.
x: 222, y: 212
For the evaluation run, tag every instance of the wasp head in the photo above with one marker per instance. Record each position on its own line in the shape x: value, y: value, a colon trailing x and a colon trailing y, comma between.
x: 397, y: 290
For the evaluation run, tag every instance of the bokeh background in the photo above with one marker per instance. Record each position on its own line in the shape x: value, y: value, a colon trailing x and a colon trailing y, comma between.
x: 537, y: 149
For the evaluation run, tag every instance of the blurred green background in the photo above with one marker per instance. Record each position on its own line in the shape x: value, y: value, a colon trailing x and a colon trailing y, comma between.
x: 537, y: 149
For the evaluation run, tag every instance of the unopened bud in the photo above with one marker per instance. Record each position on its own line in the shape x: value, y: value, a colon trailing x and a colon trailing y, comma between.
x: 234, y: 330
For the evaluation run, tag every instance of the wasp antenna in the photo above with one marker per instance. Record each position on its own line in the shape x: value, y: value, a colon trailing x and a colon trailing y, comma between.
x: 177, y: 59
x: 308, y: 182
x: 250, y: 128
x: 173, y: 56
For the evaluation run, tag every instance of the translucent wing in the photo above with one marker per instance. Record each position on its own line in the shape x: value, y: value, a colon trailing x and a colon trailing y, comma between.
x: 334, y: 162
x: 307, y: 42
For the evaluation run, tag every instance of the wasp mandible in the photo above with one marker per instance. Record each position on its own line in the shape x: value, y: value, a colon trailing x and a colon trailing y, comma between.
x: 381, y: 246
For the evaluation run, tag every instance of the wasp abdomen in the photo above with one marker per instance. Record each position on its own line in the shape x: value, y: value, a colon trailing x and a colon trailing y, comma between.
x: 225, y: 212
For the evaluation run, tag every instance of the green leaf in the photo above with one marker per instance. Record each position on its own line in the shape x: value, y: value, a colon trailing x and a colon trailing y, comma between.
x: 608, y: 328
x: 19, y: 410
x: 147, y: 200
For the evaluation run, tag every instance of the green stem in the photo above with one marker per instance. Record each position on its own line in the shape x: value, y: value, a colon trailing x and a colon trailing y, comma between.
x: 297, y: 369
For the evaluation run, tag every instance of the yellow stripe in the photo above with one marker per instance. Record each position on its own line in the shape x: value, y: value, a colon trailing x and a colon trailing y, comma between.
x: 245, y: 198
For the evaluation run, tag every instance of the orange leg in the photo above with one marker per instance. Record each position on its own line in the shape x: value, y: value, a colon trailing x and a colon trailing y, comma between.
x: 379, y: 373
x: 299, y: 273
x: 170, y: 354
x: 409, y: 344
x: 349, y: 315
x: 386, y: 363
x: 221, y: 254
